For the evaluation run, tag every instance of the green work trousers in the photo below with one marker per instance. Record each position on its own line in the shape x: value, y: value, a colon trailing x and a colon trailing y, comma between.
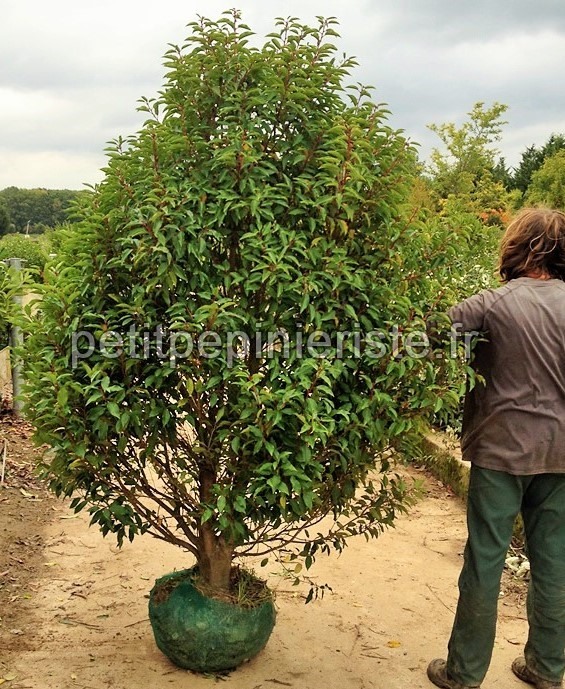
x: 494, y: 500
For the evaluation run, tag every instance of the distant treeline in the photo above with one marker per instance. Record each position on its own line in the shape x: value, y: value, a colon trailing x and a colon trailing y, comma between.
x: 34, y: 210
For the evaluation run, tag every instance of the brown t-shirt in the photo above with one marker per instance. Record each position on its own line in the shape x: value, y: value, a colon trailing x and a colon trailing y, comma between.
x: 515, y: 422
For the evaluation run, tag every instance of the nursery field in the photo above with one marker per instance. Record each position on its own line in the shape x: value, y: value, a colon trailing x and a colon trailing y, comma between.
x: 74, y: 609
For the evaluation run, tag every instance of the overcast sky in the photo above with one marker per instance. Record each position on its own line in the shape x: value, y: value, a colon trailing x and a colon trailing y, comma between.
x: 71, y: 72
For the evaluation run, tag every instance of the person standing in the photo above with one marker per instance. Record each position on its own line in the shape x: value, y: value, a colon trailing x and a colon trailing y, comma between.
x: 513, y: 433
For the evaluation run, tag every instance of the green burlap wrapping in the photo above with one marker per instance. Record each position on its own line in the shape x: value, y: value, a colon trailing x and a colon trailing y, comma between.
x: 204, y: 634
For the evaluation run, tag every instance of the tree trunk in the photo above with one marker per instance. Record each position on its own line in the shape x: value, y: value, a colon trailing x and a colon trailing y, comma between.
x: 214, y: 559
x: 214, y: 554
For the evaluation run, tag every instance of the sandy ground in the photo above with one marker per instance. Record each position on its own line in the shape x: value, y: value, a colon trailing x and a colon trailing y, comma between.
x: 74, y: 607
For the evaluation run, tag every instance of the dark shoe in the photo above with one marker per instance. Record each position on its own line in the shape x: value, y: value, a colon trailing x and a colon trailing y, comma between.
x: 523, y: 672
x: 437, y: 673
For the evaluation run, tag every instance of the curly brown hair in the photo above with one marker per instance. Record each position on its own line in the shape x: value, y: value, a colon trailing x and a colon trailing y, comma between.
x: 533, y: 245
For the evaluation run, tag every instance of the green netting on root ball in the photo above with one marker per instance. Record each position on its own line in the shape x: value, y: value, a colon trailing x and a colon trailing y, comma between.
x: 205, y: 634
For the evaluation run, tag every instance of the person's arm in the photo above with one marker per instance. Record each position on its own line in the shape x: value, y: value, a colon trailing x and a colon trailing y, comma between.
x: 469, y: 315
x: 465, y: 317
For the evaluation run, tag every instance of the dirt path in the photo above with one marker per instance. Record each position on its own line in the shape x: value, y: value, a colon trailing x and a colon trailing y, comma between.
x: 78, y: 613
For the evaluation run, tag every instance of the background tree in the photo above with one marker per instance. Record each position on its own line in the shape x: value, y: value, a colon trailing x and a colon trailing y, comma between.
x: 4, y: 220
x: 33, y: 210
x: 532, y: 159
x: 468, y: 149
x: 547, y: 186
x: 503, y: 174
x: 465, y: 171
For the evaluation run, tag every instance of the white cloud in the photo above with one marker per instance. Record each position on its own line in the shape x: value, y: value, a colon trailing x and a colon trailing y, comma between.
x: 503, y: 59
x: 50, y: 169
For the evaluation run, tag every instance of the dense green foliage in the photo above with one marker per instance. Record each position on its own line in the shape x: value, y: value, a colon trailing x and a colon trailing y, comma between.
x: 4, y: 307
x: 31, y: 251
x: 11, y: 283
x: 33, y: 210
x: 264, y: 196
